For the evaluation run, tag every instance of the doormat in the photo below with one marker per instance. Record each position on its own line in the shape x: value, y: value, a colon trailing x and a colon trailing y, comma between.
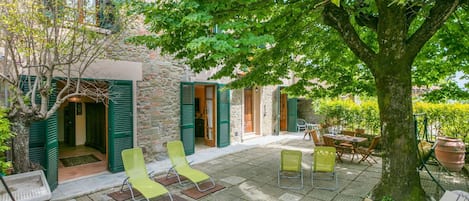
x: 196, y: 194
x: 79, y: 160
x: 168, y: 181
x: 125, y: 195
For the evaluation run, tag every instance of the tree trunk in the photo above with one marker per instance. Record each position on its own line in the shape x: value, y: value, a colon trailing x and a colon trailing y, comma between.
x: 20, y: 147
x: 400, y: 178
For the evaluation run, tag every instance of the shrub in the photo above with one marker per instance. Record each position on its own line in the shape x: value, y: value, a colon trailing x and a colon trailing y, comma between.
x: 5, y: 135
x: 442, y: 119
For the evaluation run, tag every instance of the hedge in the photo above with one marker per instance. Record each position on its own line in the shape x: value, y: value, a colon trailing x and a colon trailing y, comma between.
x: 442, y: 119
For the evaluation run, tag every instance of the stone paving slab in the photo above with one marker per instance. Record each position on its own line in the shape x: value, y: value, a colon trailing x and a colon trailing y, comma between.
x: 251, y: 174
x: 290, y: 197
x: 233, y: 180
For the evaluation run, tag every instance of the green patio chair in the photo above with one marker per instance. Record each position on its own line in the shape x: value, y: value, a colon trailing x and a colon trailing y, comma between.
x: 290, y: 167
x: 137, y: 176
x: 324, y: 162
x: 180, y: 166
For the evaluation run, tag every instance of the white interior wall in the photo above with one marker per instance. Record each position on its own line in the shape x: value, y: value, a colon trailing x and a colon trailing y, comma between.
x: 80, y: 127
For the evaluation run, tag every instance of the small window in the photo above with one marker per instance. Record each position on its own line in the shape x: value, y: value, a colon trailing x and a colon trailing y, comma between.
x: 99, y: 13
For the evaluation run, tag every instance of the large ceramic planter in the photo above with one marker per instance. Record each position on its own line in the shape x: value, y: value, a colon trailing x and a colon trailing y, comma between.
x: 450, y: 152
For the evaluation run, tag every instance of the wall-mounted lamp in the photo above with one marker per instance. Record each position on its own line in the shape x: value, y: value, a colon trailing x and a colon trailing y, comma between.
x: 256, y: 89
x: 74, y: 99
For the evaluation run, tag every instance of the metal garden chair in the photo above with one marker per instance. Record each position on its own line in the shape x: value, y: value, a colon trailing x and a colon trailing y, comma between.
x: 324, y: 162
x: 290, y: 167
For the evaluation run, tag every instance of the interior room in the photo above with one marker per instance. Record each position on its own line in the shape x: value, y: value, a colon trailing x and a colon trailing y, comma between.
x: 82, y: 131
x: 205, y: 116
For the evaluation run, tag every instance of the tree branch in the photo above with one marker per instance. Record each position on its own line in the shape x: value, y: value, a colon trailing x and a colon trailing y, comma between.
x: 437, y: 17
x: 411, y: 13
x: 338, y: 19
x: 369, y: 21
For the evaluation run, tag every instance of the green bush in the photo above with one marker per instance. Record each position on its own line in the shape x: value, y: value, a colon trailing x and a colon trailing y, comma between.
x: 443, y: 119
x: 5, y: 134
x: 446, y: 119
x: 349, y: 115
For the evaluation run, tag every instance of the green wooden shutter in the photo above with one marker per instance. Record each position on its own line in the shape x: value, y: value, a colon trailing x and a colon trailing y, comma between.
x: 52, y: 144
x: 120, y: 122
x: 223, y: 117
x: 43, y: 140
x: 37, y: 142
x: 187, y: 117
x: 292, y: 114
x: 37, y: 131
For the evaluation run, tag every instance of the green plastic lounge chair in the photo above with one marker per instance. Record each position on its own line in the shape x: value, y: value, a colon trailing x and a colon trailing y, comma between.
x: 180, y: 167
x: 137, y: 176
x: 324, y: 162
x: 290, y: 167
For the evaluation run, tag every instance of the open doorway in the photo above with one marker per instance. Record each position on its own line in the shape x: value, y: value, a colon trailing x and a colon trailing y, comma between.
x: 288, y: 112
x: 205, y: 116
x: 82, y: 135
x: 283, y: 112
x: 252, y: 111
x: 82, y: 139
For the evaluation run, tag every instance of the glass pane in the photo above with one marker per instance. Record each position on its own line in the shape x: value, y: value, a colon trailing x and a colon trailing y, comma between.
x: 71, y: 10
x: 89, y: 7
x: 209, y: 112
x: 209, y: 92
x: 187, y: 97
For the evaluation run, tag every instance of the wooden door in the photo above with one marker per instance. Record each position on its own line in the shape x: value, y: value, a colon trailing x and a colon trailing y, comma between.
x: 248, y: 113
x: 96, y: 126
x: 283, y: 112
x: 69, y: 124
x: 209, y: 137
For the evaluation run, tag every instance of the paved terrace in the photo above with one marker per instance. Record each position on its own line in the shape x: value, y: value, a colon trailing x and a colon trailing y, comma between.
x: 249, y: 172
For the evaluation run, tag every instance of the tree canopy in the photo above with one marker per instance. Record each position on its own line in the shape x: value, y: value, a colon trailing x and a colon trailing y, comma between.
x: 272, y: 39
x: 48, y: 46
x: 379, y: 47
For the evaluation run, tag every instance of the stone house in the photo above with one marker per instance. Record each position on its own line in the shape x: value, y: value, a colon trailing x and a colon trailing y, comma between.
x: 155, y: 99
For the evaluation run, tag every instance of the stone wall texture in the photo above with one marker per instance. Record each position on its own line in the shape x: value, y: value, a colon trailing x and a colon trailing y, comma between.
x: 157, y: 95
x: 269, y: 111
x: 306, y: 111
x: 158, y: 98
x: 236, y: 116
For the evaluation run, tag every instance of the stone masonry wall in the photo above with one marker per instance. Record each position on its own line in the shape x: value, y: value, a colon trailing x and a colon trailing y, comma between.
x: 267, y: 100
x: 306, y: 111
x: 237, y: 111
x: 157, y: 95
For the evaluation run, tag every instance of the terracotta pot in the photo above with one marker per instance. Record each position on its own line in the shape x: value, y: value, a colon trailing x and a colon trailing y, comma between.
x: 450, y: 152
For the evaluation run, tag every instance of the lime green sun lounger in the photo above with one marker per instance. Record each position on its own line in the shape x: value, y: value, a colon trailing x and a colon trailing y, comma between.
x: 137, y: 176
x: 180, y: 166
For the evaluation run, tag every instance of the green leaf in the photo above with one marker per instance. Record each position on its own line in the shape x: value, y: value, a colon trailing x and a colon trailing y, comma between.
x: 336, y: 2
